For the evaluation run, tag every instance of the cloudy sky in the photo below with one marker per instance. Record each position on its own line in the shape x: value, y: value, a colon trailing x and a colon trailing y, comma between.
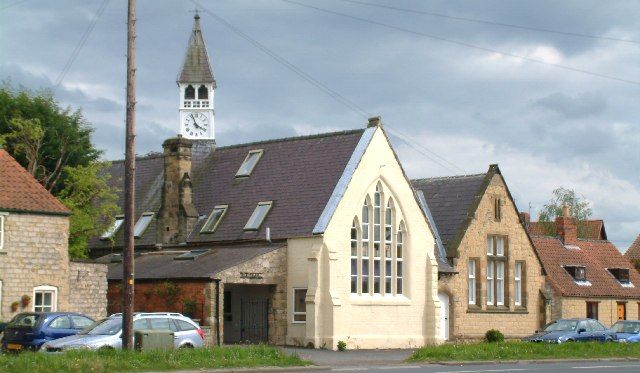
x: 546, y: 126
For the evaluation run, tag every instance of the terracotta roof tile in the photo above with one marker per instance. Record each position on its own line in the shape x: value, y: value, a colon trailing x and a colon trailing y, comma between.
x: 19, y: 191
x: 596, y: 257
x: 633, y: 252
x: 592, y: 229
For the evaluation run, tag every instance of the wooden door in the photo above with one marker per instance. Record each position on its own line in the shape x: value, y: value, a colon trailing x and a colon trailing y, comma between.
x: 622, y: 311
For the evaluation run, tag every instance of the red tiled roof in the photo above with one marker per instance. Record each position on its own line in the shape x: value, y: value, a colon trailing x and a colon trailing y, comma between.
x: 633, y: 252
x: 19, y: 191
x: 596, y: 257
x: 591, y: 230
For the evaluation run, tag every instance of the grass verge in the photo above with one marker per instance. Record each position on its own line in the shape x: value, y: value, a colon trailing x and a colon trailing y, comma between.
x: 524, y: 351
x: 160, y: 360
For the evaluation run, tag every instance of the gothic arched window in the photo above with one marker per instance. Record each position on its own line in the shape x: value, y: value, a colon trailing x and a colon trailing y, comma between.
x: 189, y: 93
x: 366, y: 209
x: 355, y: 237
x: 400, y: 257
x: 203, y: 93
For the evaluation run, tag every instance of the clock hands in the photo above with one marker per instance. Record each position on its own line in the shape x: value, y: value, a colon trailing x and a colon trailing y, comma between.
x: 195, y: 123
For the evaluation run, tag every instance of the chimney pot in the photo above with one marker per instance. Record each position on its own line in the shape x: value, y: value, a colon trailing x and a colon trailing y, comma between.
x: 525, y: 217
x: 375, y: 122
x: 566, y: 211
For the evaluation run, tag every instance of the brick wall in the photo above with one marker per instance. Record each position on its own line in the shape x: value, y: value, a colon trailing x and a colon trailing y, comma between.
x: 88, y: 288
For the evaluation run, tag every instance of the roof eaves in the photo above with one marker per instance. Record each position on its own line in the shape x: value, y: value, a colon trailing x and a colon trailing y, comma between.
x: 35, y: 212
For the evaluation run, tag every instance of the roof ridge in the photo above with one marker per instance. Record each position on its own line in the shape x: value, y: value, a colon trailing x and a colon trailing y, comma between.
x: 294, y: 138
x: 150, y: 155
x: 448, y: 177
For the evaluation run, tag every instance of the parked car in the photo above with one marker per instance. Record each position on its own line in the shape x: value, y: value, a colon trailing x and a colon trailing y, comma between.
x: 627, y: 331
x: 29, y: 330
x: 107, y: 333
x: 573, y: 330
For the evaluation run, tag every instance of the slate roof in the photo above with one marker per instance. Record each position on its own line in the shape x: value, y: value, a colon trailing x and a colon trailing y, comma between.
x: 196, y: 67
x: 590, y: 230
x: 298, y: 174
x: 633, y: 252
x: 451, y: 200
x: 596, y: 256
x: 19, y: 191
x: 163, y: 265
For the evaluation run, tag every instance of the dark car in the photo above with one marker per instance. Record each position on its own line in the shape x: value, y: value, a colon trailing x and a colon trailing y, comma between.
x: 573, y: 330
x: 29, y: 330
x: 627, y: 331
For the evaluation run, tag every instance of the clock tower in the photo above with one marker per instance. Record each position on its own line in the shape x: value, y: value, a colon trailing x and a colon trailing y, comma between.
x: 197, y: 85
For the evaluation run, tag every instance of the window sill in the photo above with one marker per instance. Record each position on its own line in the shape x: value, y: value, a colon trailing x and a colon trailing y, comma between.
x: 379, y: 300
x: 500, y: 309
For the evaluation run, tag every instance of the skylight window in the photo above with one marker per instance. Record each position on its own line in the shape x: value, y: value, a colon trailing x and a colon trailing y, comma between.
x: 191, y: 255
x: 113, y: 229
x: 258, y: 216
x: 214, y: 219
x: 249, y: 163
x: 142, y: 224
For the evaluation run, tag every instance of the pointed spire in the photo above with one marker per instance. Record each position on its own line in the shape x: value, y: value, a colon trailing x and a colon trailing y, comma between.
x: 196, y: 67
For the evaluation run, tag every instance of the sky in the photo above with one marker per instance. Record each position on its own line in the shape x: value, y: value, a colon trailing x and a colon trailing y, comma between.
x: 458, y: 93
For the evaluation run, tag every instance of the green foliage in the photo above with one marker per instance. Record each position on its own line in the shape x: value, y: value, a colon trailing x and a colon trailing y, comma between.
x: 493, y: 336
x: 189, y: 308
x: 578, y: 209
x: 159, y: 360
x: 342, y: 346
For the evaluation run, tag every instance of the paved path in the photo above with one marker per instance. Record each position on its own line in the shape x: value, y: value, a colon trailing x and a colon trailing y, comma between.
x: 565, y: 367
x: 352, y: 357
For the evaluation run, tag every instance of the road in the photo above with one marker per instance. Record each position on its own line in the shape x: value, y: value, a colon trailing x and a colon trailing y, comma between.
x: 564, y: 367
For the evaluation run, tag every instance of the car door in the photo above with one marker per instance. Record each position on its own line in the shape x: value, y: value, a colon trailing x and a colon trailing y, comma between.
x: 585, y: 335
x: 59, y: 327
x: 600, y: 332
x: 81, y: 322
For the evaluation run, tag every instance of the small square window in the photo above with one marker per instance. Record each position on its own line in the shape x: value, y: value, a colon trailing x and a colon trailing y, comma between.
x: 214, y: 219
x: 117, y: 224
x: 142, y: 224
x: 258, y: 216
x: 249, y: 163
x: 299, y: 305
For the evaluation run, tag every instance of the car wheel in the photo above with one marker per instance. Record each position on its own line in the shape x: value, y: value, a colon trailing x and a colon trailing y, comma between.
x: 187, y: 345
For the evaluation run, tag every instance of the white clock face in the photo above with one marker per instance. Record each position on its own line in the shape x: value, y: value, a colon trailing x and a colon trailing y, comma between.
x: 196, y: 125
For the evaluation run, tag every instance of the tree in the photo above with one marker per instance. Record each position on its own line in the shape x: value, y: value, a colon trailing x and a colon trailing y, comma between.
x: 54, y: 145
x: 579, y: 209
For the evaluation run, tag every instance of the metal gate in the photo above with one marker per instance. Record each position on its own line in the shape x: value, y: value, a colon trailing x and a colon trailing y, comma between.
x: 254, y: 321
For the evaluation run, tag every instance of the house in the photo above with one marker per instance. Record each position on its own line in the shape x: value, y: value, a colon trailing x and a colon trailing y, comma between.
x: 304, y: 241
x: 633, y: 253
x: 35, y: 271
x: 587, y: 277
x: 588, y: 229
x: 490, y: 276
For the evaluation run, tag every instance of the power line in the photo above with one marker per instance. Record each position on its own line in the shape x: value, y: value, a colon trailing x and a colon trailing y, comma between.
x: 12, y: 4
x: 332, y: 93
x: 493, y: 23
x: 81, y: 43
x: 465, y: 44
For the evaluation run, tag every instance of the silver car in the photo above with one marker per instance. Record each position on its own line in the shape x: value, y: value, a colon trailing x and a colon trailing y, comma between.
x: 107, y: 333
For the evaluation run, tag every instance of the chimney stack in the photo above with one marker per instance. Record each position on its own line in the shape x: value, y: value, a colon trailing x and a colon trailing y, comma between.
x: 375, y: 122
x: 525, y: 218
x: 177, y: 215
x: 566, y: 227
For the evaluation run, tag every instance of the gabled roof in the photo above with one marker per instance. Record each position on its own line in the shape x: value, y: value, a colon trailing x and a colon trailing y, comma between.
x: 588, y: 229
x: 633, y: 252
x: 21, y: 192
x: 196, y: 67
x: 596, y: 256
x: 298, y: 174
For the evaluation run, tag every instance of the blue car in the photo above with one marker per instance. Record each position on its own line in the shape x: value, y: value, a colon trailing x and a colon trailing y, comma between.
x: 573, y: 330
x: 627, y: 331
x: 30, y: 330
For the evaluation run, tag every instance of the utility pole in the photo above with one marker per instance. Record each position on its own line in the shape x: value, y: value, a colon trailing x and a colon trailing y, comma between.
x: 129, y: 183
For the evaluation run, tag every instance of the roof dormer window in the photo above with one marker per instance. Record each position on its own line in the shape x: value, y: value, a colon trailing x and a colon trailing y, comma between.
x: 113, y: 229
x: 249, y: 163
x: 142, y: 224
x: 214, y: 219
x: 621, y: 274
x: 258, y: 216
x: 579, y: 274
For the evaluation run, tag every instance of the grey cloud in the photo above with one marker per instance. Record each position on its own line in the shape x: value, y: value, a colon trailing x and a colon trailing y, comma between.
x: 581, y: 106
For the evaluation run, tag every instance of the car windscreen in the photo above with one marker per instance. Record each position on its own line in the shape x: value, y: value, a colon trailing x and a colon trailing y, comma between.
x: 108, y: 326
x: 25, y: 320
x: 626, y: 327
x: 562, y: 326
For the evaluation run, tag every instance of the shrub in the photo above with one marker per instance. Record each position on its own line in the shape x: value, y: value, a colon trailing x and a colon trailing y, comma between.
x: 493, y: 336
x: 342, y: 346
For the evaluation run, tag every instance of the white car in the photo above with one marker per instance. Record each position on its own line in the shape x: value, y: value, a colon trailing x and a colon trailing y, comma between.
x: 107, y: 333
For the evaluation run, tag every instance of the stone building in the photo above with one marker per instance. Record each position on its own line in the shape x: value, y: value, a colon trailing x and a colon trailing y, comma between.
x: 34, y: 259
x: 304, y: 241
x: 489, y: 275
x: 587, y: 277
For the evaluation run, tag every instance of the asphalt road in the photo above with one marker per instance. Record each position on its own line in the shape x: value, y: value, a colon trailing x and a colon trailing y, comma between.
x: 564, y: 367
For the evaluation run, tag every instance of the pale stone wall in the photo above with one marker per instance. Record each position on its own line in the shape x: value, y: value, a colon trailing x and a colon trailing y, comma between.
x: 570, y: 307
x: 88, y: 289
x: 468, y: 322
x: 363, y: 321
x: 35, y: 254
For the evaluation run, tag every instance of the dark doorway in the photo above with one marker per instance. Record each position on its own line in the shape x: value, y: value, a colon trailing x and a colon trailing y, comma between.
x: 246, y: 313
x: 254, y: 323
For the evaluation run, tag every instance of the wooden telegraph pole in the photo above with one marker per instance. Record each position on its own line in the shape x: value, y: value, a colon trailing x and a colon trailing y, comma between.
x: 129, y: 183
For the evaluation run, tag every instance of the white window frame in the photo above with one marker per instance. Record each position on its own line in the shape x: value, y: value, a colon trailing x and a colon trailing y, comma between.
x: 500, y: 266
x: 490, y: 283
x: 517, y: 279
x: 365, y: 248
x: 354, y: 247
x: 298, y: 313
x: 2, y: 220
x: 490, y: 245
x: 45, y: 289
x: 215, y: 226
x: 142, y: 224
x: 114, y: 228
x: 245, y: 173
x: 254, y: 216
x: 377, y: 240
x: 471, y: 275
x: 400, y: 244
